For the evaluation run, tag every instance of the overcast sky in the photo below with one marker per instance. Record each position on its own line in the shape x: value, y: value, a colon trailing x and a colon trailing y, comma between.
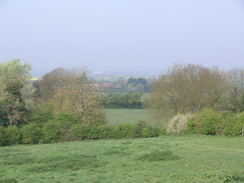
x: 126, y: 36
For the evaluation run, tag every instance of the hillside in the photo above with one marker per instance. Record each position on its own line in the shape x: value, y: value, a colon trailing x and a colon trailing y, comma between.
x: 165, y: 159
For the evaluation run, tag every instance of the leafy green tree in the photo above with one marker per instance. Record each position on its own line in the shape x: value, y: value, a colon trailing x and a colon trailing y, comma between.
x: 14, y: 78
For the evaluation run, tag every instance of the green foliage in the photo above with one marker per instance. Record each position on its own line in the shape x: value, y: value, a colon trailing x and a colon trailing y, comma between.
x: 205, y: 122
x: 126, y: 130
x: 51, y: 132
x: 3, y: 137
x: 96, y: 118
x: 209, y: 122
x: 13, y: 135
x: 3, y: 115
x: 14, y: 78
x: 129, y: 100
x: 79, y: 132
x: 41, y: 113
x: 31, y: 134
x: 151, y: 132
x: 191, y: 126
x: 236, y: 126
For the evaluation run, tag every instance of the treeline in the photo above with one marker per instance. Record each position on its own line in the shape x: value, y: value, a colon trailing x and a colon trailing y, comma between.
x: 215, y: 98
x: 191, y: 88
x: 129, y: 100
x: 63, y: 105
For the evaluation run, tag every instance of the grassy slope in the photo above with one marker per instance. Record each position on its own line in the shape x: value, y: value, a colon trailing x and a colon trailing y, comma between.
x: 117, y: 116
x: 200, y: 159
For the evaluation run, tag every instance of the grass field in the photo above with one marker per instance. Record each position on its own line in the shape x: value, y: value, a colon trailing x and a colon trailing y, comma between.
x: 178, y: 159
x: 118, y: 116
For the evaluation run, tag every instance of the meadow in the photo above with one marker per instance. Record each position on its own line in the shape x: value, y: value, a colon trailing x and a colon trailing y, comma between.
x: 166, y: 159
x: 118, y: 116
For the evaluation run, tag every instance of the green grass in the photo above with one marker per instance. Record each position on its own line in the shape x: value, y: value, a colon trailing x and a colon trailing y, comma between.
x: 118, y: 116
x: 178, y: 159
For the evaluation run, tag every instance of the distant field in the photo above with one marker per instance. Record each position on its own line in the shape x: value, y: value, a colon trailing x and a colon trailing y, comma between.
x: 169, y: 159
x: 118, y: 116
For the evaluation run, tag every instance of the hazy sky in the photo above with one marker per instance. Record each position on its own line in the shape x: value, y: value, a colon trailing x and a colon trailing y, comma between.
x: 130, y: 36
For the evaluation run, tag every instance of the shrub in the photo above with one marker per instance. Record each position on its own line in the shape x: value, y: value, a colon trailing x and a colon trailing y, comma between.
x: 191, y: 126
x: 139, y: 128
x: 41, y: 113
x: 79, y: 132
x: 236, y: 126
x: 97, y: 117
x: 205, y: 122
x: 178, y: 124
x: 66, y: 121
x: 150, y: 132
x: 31, y: 134
x: 51, y: 131
x: 13, y: 135
x: 107, y: 132
x: 93, y: 132
x: 3, y: 137
x: 125, y: 130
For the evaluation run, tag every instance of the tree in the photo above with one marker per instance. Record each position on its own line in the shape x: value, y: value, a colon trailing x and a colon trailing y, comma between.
x: 236, y: 90
x: 70, y: 91
x: 14, y: 78
x: 187, y: 88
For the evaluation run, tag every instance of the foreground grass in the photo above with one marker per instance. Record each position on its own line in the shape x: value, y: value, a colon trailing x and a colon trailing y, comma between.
x: 118, y: 116
x: 199, y: 159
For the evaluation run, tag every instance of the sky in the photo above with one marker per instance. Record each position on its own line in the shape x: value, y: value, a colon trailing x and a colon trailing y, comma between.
x: 127, y: 36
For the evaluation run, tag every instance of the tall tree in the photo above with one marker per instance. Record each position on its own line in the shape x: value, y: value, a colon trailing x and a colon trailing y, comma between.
x: 14, y: 78
x: 70, y: 91
x: 187, y: 88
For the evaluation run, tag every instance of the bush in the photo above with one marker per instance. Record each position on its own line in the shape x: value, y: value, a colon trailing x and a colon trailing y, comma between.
x: 191, y: 126
x: 13, y: 135
x: 78, y: 132
x: 139, y: 128
x: 51, y: 132
x: 31, y: 134
x: 3, y: 137
x: 107, y: 132
x: 206, y: 122
x: 150, y: 132
x: 236, y: 126
x: 66, y: 122
x: 41, y: 113
x: 178, y: 124
x: 125, y: 130
x: 97, y: 117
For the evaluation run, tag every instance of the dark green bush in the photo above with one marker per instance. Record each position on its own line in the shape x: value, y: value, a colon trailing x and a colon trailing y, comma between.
x: 51, y: 132
x: 3, y: 137
x: 31, y: 134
